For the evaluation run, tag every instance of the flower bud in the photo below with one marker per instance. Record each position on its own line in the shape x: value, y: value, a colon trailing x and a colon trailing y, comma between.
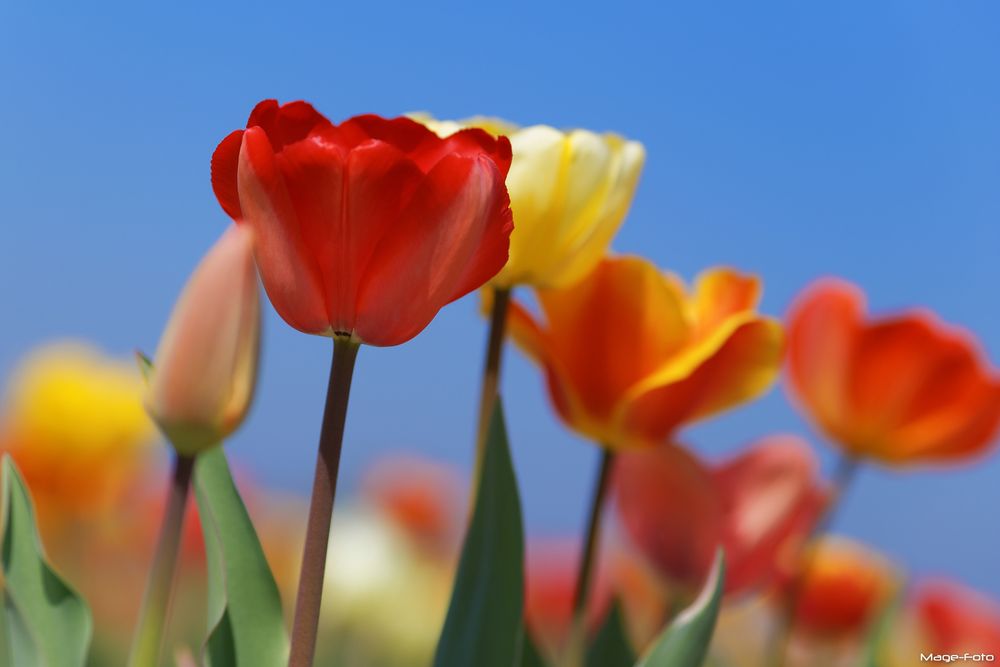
x: 205, y: 368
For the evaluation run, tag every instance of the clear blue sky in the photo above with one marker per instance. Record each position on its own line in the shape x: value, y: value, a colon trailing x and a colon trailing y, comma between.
x: 792, y: 139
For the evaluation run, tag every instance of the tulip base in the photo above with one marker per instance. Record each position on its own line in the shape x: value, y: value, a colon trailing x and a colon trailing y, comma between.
x: 307, y: 603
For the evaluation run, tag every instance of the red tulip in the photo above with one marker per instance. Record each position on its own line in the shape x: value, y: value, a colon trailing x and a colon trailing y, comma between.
x: 956, y: 619
x: 757, y: 506
x: 365, y: 229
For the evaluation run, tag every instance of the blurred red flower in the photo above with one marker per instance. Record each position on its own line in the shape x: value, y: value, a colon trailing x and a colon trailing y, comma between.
x: 956, y: 619
x: 900, y: 389
x: 841, y: 589
x: 367, y: 228
x: 550, y: 587
x: 758, y: 506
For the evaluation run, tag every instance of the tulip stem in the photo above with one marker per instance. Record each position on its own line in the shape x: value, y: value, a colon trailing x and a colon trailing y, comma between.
x: 842, y: 479
x: 491, y: 372
x: 310, y: 595
x: 155, y: 613
x: 590, y: 545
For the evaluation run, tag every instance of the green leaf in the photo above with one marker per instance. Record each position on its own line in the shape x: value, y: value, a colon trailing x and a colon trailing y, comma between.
x: 530, y: 656
x: 483, y: 625
x: 46, y: 622
x: 881, y: 632
x: 611, y: 647
x: 246, y: 625
x: 685, y: 642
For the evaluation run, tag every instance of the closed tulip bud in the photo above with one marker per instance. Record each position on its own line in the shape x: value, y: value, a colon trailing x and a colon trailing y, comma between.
x: 205, y: 369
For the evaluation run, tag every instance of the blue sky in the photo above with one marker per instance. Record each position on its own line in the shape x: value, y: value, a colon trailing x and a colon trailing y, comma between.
x: 786, y: 138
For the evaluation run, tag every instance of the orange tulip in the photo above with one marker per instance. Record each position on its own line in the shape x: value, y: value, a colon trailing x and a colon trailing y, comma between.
x: 902, y: 389
x: 631, y: 356
x: 759, y: 506
x: 956, y: 619
x: 843, y: 587
x: 205, y: 372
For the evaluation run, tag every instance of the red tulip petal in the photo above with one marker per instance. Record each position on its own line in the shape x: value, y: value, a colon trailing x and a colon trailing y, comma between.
x: 671, y: 509
x: 287, y: 263
x: 225, y: 164
x: 287, y: 123
x: 420, y: 266
x: 772, y: 497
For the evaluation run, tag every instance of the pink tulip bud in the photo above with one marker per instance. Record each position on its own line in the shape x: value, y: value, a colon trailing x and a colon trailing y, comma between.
x: 205, y: 369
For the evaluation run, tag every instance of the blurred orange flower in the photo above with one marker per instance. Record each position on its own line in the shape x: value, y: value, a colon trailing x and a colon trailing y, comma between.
x: 631, y: 356
x: 842, y: 588
x: 423, y: 498
x: 759, y: 506
x: 901, y: 389
x: 74, y: 422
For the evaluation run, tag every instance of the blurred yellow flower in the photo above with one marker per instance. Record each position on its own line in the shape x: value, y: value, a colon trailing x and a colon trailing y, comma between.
x: 569, y: 192
x: 74, y: 422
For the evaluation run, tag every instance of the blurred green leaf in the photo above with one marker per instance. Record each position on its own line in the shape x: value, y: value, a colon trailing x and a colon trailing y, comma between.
x: 46, y: 622
x: 881, y: 631
x: 611, y: 647
x: 530, y: 657
x: 484, y: 621
x: 246, y: 625
x: 685, y: 642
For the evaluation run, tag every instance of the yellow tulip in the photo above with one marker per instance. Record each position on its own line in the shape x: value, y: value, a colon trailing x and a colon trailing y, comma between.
x: 569, y: 192
x: 205, y: 370
x: 74, y: 422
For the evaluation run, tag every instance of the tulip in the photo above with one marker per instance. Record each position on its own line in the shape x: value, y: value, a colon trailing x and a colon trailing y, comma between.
x: 956, y: 619
x: 905, y: 389
x: 759, y: 506
x: 202, y: 383
x: 569, y: 191
x: 73, y: 421
x: 630, y: 356
x: 200, y: 388
x: 364, y: 230
x: 842, y: 587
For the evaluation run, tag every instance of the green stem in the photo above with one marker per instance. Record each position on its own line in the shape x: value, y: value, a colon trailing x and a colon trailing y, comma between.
x: 592, y: 540
x: 155, y: 613
x: 310, y: 595
x: 843, y: 477
x: 491, y: 373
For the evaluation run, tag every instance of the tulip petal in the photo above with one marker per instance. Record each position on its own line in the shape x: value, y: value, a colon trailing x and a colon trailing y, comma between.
x: 225, y: 166
x: 434, y: 250
x: 593, y: 232
x: 671, y: 509
x: 287, y: 264
x: 631, y: 316
x: 695, y: 385
x: 822, y: 326
x: 287, y: 123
